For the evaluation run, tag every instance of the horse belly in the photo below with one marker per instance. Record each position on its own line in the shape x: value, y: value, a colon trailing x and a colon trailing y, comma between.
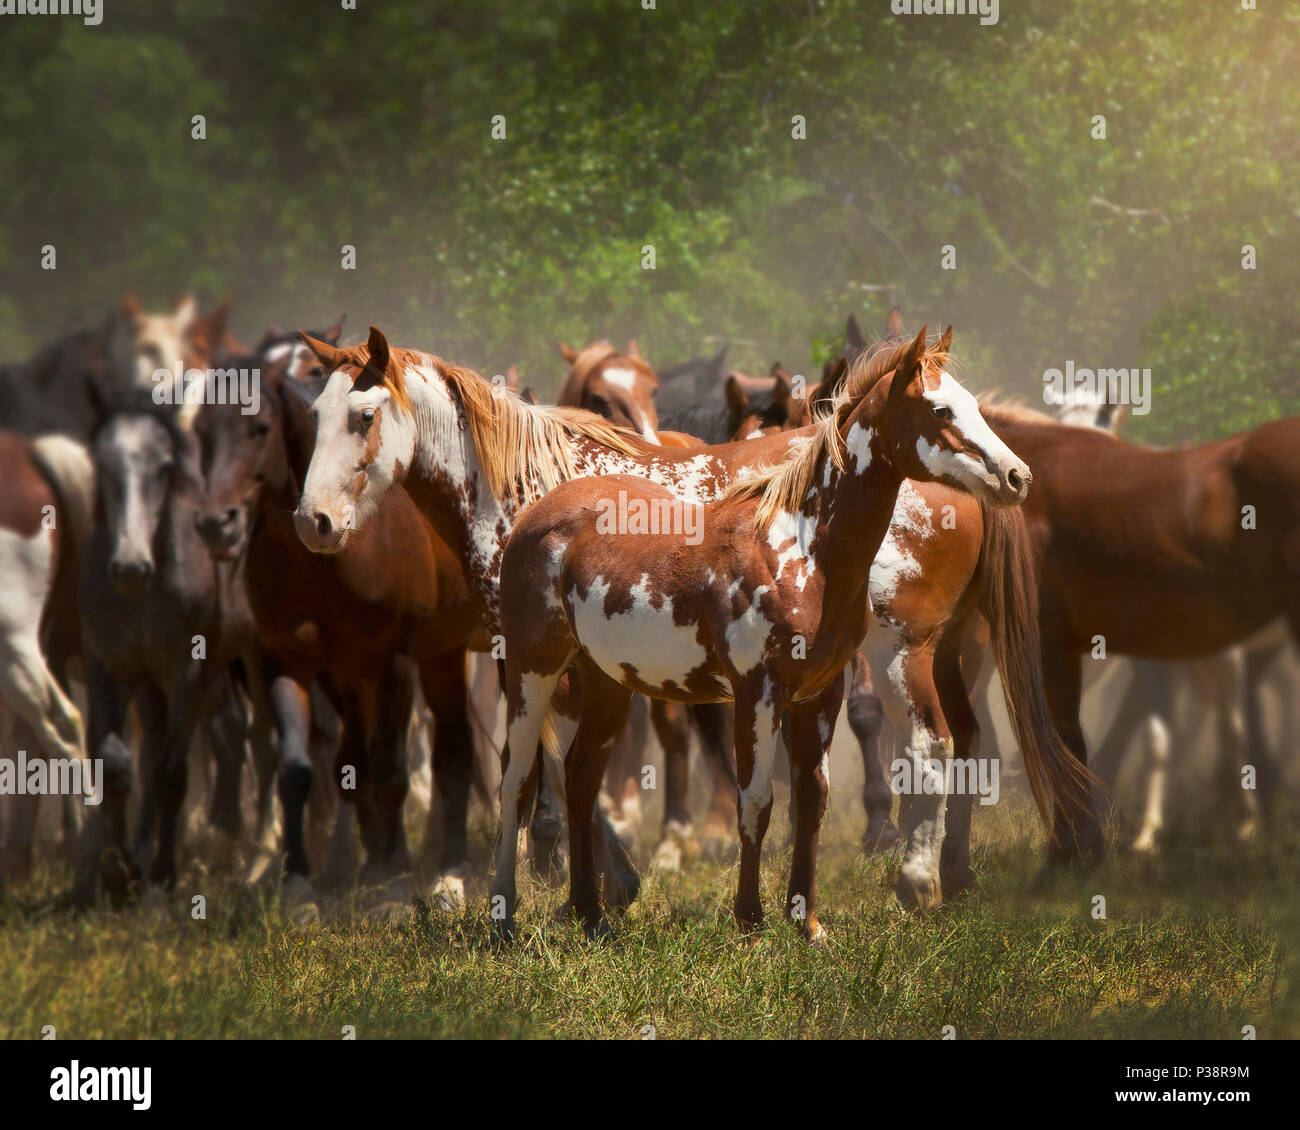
x: 644, y: 648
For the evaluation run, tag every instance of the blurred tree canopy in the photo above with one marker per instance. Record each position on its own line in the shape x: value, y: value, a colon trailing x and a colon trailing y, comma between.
x: 673, y: 127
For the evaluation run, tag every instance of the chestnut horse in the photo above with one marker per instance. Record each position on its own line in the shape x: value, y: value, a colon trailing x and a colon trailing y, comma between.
x: 1163, y: 554
x: 397, y: 591
x: 761, y: 599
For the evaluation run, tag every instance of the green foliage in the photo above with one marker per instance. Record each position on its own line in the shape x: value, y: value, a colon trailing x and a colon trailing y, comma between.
x: 672, y: 128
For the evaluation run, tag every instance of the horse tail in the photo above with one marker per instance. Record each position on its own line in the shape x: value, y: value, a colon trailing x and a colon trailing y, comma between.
x: 1008, y: 599
x: 68, y: 468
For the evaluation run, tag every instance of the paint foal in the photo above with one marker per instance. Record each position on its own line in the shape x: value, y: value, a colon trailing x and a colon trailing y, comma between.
x: 765, y: 607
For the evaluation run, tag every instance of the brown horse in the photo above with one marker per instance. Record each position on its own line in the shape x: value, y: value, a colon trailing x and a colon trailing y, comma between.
x: 760, y: 597
x: 396, y: 591
x: 1164, y: 554
x: 618, y: 386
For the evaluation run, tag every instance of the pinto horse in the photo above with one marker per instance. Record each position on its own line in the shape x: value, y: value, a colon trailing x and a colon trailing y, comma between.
x: 762, y: 600
x: 950, y: 569
x: 473, y: 456
x: 621, y: 388
x: 397, y: 591
x: 46, y: 504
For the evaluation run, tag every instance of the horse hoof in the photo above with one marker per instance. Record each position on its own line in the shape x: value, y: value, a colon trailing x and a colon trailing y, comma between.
x: 816, y: 936
x: 598, y: 931
x: 667, y: 857
x: 448, y: 893
x: 503, y: 933
x: 918, y: 889
x: 955, y: 880
x: 882, y: 841
x: 298, y: 901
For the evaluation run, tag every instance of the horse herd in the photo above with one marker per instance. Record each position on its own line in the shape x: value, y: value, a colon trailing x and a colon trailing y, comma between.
x: 285, y: 568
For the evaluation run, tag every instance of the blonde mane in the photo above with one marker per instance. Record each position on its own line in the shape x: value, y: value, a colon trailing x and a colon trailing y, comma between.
x: 782, y: 488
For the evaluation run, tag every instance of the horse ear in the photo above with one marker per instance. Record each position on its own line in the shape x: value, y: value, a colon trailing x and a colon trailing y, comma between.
x: 737, y: 399
x: 567, y: 352
x: 326, y: 354
x: 512, y: 377
x: 217, y: 324
x: 719, y: 363
x: 1110, y: 417
x: 335, y: 331
x: 906, y: 371
x: 945, y: 340
x: 185, y: 309
x: 781, y: 392
x: 528, y: 396
x: 894, y: 323
x: 829, y: 387
x: 634, y: 350
x: 377, y: 344
x: 853, y: 334
x: 275, y: 373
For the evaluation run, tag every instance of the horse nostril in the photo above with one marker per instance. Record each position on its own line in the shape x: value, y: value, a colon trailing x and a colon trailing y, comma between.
x: 323, y: 524
x: 232, y: 515
x: 1015, y: 479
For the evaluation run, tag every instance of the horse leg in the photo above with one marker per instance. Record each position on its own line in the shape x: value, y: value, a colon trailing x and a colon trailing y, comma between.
x: 866, y: 720
x: 528, y: 700
x: 812, y: 728
x: 1152, y: 678
x: 226, y: 728
x: 446, y: 691
x: 1075, y: 839
x: 670, y: 724
x: 23, y: 811
x: 262, y: 741
x: 714, y: 725
x: 605, y: 707
x: 387, y: 776
x: 623, y: 776
x: 758, y: 729
x: 185, y: 698
x: 102, y: 848
x: 1135, y: 713
x: 291, y: 706
x: 151, y: 710
x: 955, y: 874
x: 1258, y: 660
x: 1223, y: 676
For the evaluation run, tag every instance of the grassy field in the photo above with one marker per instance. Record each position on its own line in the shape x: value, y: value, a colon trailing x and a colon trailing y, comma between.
x: 1197, y: 945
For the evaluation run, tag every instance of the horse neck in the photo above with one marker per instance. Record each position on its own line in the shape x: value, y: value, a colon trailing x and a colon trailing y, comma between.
x: 852, y: 511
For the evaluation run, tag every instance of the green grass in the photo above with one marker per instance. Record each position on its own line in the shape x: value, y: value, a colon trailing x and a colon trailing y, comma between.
x: 1197, y: 945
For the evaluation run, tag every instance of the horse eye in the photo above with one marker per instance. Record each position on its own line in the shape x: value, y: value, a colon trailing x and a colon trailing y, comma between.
x: 367, y: 417
x: 943, y: 411
x: 259, y: 428
x: 319, y: 371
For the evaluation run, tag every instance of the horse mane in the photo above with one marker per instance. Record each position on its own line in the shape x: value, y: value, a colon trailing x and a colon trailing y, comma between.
x: 782, y: 487
x: 524, y: 449
x: 588, y: 358
x: 994, y: 407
